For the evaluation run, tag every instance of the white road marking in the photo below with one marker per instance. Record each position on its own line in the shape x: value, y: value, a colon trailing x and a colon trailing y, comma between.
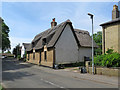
x: 52, y: 83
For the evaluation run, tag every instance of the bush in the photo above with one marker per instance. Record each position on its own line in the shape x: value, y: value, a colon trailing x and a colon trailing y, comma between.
x: 19, y: 57
x: 108, y: 60
x: 109, y: 51
x: 98, y: 60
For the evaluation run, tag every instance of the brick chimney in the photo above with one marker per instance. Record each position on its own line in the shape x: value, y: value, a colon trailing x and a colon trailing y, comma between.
x: 115, y: 12
x: 53, y: 23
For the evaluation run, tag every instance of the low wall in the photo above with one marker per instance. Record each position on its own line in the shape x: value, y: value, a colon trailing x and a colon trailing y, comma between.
x: 104, y: 71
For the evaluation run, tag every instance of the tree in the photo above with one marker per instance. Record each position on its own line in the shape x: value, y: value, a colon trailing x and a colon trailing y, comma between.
x: 8, y: 52
x: 5, y: 37
x: 98, y: 39
x: 17, y: 51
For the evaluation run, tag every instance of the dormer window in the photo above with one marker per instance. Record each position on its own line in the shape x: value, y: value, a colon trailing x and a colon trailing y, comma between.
x: 44, y: 41
x: 33, y: 44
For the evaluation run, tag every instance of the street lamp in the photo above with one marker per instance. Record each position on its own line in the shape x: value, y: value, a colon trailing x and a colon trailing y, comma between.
x: 91, y: 16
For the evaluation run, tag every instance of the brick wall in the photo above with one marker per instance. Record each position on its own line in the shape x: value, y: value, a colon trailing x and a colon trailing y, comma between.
x: 49, y: 60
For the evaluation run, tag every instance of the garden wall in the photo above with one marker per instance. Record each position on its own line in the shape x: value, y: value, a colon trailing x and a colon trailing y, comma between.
x: 103, y: 70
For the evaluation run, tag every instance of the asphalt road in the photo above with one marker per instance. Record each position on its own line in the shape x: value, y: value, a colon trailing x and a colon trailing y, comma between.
x: 23, y: 75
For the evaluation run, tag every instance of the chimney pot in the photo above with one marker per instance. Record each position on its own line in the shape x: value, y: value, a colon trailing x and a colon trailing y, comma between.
x: 53, y: 23
x: 53, y: 19
x: 115, y: 12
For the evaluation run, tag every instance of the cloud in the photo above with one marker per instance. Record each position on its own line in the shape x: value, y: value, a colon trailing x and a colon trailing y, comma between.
x: 28, y: 19
x: 18, y: 40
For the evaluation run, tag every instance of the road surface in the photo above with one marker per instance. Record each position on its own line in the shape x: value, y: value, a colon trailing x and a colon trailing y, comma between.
x: 18, y: 74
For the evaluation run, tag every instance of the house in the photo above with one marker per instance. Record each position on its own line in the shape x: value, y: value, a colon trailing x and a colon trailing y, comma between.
x: 61, y: 44
x: 111, y: 32
x: 23, y: 49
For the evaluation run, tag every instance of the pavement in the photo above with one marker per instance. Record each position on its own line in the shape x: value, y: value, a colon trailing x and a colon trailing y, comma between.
x: 18, y: 74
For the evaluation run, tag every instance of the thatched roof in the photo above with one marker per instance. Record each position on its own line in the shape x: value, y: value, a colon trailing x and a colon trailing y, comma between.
x: 84, y: 38
x: 26, y: 45
x: 52, y: 35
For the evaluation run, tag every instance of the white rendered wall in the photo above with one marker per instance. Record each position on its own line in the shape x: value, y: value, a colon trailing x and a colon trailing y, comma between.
x: 66, y: 48
x: 83, y: 51
x: 22, y: 51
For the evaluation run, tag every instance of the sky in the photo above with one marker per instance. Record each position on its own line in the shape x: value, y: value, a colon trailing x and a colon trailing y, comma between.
x: 27, y: 19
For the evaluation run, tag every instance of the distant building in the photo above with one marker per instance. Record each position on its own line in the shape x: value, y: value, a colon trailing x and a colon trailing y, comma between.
x: 23, y: 49
x: 60, y: 44
x: 111, y: 32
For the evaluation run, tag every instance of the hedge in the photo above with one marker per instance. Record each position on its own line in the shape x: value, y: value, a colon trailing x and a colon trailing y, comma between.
x: 108, y: 60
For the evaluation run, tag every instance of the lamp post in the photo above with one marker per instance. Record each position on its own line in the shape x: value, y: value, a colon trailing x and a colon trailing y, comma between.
x: 91, y: 16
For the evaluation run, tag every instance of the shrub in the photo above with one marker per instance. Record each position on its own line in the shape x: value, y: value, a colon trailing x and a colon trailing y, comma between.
x: 19, y: 57
x: 109, y: 51
x: 98, y: 60
x: 108, y: 60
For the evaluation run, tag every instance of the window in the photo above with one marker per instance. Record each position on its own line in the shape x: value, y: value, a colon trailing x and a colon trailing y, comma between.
x: 45, y: 55
x: 44, y: 41
x: 28, y: 56
x: 33, y: 55
x: 40, y: 57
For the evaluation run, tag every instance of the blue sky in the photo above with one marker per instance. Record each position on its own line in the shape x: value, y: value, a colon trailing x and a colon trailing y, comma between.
x: 26, y: 19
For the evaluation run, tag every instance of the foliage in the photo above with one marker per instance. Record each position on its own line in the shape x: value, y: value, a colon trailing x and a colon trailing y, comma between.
x: 19, y: 57
x: 25, y: 55
x: 109, y: 51
x: 111, y: 59
x: 17, y: 50
x: 5, y: 37
x: 8, y: 52
x: 98, y: 39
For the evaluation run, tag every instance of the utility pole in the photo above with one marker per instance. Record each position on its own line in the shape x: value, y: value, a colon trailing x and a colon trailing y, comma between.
x: 92, y: 45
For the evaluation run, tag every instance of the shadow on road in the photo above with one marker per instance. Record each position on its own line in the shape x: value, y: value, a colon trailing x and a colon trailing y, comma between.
x: 11, y: 69
x: 13, y: 64
x: 11, y: 76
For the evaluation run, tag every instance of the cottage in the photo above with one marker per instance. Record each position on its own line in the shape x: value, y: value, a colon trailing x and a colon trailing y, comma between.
x: 61, y: 44
x: 111, y: 32
x: 23, y: 49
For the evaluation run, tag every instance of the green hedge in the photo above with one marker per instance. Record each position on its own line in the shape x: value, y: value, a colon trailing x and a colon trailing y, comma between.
x: 108, y: 60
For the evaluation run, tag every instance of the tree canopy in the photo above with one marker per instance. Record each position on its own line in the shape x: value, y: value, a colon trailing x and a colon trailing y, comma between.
x: 17, y: 50
x: 5, y: 37
x: 98, y: 39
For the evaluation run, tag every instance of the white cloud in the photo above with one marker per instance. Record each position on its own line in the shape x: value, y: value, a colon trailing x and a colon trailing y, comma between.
x: 18, y: 40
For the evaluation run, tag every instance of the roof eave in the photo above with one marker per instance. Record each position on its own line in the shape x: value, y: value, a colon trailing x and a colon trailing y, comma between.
x: 111, y: 22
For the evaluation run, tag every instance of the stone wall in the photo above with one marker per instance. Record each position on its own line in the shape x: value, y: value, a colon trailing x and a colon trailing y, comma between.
x: 49, y: 60
x: 34, y: 61
x: 103, y: 71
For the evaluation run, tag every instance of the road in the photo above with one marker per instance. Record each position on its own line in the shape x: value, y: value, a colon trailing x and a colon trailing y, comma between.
x: 18, y: 74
